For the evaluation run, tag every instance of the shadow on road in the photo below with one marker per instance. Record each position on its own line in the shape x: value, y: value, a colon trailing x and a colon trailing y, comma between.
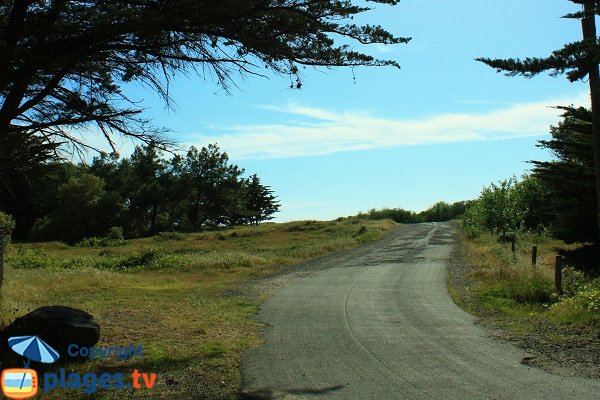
x: 269, y: 394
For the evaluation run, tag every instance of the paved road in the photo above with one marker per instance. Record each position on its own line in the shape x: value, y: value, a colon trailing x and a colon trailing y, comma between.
x: 383, y: 326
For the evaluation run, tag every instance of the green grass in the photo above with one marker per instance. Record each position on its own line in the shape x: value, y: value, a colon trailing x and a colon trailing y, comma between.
x: 508, y: 284
x: 173, y: 294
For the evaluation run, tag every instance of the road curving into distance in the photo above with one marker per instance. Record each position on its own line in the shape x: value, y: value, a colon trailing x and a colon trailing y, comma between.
x: 383, y: 326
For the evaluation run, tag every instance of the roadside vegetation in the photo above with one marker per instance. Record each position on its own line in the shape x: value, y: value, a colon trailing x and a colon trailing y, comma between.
x: 552, y: 208
x: 519, y: 302
x: 508, y: 283
x: 440, y: 211
x: 179, y: 295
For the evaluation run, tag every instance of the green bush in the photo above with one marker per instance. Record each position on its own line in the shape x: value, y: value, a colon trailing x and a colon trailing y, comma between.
x: 581, y: 296
x: 112, y: 239
x: 115, y: 233
x: 508, y: 206
x: 91, y: 242
x: 471, y: 231
x: 589, y: 298
x: 572, y: 281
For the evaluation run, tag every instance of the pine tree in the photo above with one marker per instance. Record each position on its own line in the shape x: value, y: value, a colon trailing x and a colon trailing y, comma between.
x: 577, y: 60
x: 210, y: 186
x: 569, y: 178
x: 260, y: 202
x: 145, y: 177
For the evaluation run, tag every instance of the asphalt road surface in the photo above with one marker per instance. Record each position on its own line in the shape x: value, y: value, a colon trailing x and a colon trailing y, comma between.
x: 383, y: 326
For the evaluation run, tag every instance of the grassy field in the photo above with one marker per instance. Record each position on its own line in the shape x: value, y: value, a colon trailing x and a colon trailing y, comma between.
x: 173, y: 294
x: 506, y: 283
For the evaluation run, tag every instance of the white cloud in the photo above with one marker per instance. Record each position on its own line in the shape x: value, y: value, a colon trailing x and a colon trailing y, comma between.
x: 320, y: 132
x: 384, y: 48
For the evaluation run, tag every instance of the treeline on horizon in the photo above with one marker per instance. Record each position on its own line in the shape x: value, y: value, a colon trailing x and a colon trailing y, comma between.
x: 439, y: 212
x: 137, y: 196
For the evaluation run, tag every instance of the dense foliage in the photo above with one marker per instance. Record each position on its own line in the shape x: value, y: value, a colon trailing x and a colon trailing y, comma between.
x: 440, y: 211
x: 140, y: 195
x: 508, y: 206
x: 569, y: 178
x: 559, y: 196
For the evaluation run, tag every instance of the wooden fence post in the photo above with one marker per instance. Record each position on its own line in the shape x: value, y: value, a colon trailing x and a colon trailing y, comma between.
x: 558, y: 274
x: 534, y: 256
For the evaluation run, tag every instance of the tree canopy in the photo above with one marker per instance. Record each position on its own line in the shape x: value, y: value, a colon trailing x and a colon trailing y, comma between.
x: 577, y: 60
x: 141, y: 195
x: 569, y: 177
x: 64, y: 62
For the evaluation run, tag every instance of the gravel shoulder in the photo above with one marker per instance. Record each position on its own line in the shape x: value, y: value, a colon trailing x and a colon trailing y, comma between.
x: 569, y: 351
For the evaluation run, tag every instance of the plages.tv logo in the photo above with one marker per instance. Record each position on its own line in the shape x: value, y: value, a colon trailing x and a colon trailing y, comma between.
x: 23, y: 383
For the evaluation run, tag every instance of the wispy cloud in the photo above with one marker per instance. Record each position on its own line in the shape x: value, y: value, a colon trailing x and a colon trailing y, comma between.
x: 313, y: 131
x: 383, y: 48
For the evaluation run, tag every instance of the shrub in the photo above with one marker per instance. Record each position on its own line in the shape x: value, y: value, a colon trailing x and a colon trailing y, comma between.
x: 90, y: 242
x: 471, y: 232
x: 112, y: 239
x: 589, y: 298
x: 572, y: 281
x: 115, y: 233
x: 508, y: 206
x: 586, y: 298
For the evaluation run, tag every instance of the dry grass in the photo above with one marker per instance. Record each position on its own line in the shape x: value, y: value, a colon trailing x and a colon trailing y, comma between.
x: 179, y: 306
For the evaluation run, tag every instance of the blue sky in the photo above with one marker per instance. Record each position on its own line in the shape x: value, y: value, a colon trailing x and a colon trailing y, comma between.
x: 440, y: 128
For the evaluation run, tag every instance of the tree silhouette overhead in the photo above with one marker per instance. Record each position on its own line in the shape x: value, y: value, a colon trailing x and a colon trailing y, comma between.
x: 63, y: 63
